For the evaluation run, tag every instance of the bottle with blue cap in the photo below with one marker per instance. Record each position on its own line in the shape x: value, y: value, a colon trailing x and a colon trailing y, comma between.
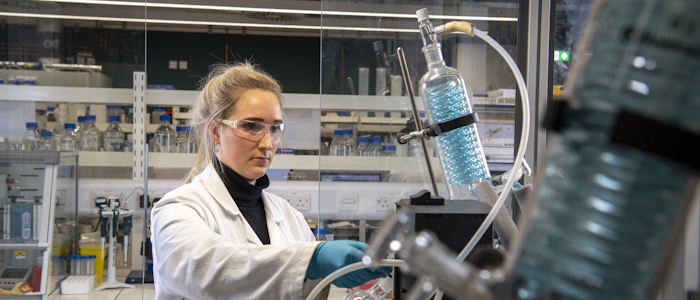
x: 184, y: 143
x: 68, y: 139
x: 31, y: 137
x: 335, y: 143
x: 113, y: 136
x: 90, y: 135
x: 165, y: 136
x: 46, y: 142
x: 158, y: 111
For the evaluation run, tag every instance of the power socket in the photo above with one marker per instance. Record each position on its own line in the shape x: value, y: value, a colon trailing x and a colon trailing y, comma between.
x: 299, y: 200
x: 387, y: 202
x: 106, y: 194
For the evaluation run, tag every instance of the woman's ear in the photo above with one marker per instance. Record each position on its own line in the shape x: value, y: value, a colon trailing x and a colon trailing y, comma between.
x: 213, y: 131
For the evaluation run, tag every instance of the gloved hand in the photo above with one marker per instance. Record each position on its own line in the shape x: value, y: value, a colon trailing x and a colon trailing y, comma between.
x: 333, y: 255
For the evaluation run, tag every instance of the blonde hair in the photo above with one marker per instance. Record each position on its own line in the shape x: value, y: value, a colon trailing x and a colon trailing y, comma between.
x: 221, y: 90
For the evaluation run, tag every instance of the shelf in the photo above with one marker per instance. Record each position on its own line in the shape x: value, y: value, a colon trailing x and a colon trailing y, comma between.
x: 186, y: 98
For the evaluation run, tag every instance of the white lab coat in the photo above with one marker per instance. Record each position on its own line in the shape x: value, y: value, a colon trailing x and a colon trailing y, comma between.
x: 203, y: 248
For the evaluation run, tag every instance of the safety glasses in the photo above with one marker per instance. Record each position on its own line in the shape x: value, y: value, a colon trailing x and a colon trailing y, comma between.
x: 254, y: 131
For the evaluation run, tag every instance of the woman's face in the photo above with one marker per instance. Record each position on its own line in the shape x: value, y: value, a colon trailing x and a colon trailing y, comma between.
x: 247, y: 157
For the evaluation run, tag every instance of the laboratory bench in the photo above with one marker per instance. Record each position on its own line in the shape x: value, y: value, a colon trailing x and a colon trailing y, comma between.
x: 147, y: 291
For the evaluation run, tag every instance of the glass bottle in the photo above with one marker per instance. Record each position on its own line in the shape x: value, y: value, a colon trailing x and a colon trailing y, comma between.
x: 46, y: 141
x: 445, y: 97
x: 113, y: 136
x: 67, y: 140
x: 375, y: 148
x: 336, y: 142
x: 165, y: 136
x: 90, y: 135
x: 31, y: 137
x: 348, y: 144
x: 158, y: 111
x: 184, y: 142
x: 362, y: 146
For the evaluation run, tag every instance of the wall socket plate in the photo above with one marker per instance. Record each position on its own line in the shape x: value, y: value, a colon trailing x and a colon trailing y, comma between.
x: 387, y: 201
x: 106, y: 193
x: 348, y: 201
x: 298, y: 200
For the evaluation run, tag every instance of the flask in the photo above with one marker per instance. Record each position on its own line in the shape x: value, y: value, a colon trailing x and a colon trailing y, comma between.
x: 378, y: 291
x: 445, y: 97
x: 336, y: 142
x: 46, y: 142
x: 31, y: 137
x: 113, y: 136
x: 90, y: 136
x: 348, y: 145
x: 165, y: 136
x: 68, y: 138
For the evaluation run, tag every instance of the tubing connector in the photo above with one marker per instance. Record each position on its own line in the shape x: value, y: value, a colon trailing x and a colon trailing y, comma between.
x: 457, y: 26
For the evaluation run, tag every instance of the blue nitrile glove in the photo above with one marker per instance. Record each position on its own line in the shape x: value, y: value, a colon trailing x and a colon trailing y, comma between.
x: 333, y: 255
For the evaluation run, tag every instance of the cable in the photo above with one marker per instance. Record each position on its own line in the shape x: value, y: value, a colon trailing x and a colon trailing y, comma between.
x: 127, y: 197
x: 347, y: 269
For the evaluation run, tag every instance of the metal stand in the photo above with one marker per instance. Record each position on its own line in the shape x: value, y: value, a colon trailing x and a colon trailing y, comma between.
x: 111, y: 282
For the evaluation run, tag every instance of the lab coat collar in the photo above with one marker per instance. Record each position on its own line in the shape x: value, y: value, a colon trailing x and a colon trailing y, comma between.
x: 275, y: 218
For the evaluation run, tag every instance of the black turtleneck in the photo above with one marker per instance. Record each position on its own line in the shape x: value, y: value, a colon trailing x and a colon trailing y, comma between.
x: 248, y: 198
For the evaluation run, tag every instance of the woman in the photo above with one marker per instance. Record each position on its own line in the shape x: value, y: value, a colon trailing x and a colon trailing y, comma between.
x: 220, y: 236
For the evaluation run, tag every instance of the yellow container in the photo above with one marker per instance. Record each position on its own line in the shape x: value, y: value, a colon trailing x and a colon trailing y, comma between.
x: 99, y: 260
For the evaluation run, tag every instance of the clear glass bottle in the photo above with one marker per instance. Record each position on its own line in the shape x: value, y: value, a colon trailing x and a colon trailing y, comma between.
x: 31, y: 137
x: 68, y: 139
x: 336, y: 142
x: 378, y: 291
x: 375, y: 148
x: 348, y: 145
x: 90, y: 135
x: 445, y: 97
x: 46, y: 141
x: 362, y: 146
x: 389, y: 150
x: 165, y: 136
x: 113, y: 136
x: 184, y: 142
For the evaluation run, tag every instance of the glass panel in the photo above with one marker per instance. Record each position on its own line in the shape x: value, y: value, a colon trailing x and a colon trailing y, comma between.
x: 62, y: 60
x: 570, y: 21
x: 364, y: 95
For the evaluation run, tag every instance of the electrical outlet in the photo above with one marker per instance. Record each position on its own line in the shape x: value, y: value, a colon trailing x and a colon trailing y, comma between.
x: 299, y: 200
x: 348, y: 201
x: 106, y: 194
x: 387, y: 202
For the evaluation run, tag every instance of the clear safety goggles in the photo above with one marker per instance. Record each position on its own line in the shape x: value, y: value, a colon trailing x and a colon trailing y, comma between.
x: 254, y: 131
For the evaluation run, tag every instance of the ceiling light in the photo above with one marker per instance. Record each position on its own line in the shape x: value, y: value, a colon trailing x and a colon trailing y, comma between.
x: 282, y: 11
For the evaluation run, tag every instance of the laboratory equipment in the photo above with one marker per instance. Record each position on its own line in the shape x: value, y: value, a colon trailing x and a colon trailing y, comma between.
x: 378, y: 291
x: 68, y: 139
x: 165, y: 136
x: 380, y: 82
x: 336, y: 142
x: 446, y: 100
x: 184, y: 142
x: 90, y: 135
x: 363, y: 146
x: 31, y: 137
x: 158, y: 111
x: 113, y: 136
x: 363, y: 81
x: 111, y: 211
x: 10, y: 276
x: 46, y: 141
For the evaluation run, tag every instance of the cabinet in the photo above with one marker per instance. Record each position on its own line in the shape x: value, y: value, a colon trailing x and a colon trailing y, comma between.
x: 39, y: 219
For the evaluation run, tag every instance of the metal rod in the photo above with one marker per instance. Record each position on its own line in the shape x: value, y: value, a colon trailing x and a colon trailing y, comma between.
x: 416, y: 116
